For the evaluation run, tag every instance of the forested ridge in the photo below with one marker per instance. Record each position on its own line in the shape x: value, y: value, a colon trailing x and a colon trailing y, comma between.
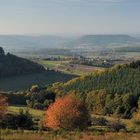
x: 11, y: 65
x: 119, y: 79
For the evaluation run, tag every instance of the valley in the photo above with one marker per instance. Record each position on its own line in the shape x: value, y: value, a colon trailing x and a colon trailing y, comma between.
x: 104, y: 82
x: 69, y: 70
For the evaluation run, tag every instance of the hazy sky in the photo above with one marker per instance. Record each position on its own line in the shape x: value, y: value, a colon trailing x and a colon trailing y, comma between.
x: 69, y: 16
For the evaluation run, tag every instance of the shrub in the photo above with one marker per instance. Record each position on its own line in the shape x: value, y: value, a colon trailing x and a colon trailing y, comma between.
x: 34, y: 88
x: 38, y: 106
x: 67, y: 113
x: 23, y: 120
x: 117, y: 126
x: 99, y: 121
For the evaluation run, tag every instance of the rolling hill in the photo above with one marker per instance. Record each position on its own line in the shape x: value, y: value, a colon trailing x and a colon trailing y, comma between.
x: 119, y: 79
x: 11, y: 65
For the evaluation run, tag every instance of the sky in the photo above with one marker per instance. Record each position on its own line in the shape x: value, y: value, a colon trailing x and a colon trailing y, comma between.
x: 69, y: 16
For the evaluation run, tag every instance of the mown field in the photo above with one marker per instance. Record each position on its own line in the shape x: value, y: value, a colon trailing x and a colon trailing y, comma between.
x: 26, y: 81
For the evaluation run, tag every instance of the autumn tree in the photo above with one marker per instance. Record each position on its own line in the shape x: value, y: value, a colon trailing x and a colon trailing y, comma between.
x: 67, y: 113
x: 3, y: 105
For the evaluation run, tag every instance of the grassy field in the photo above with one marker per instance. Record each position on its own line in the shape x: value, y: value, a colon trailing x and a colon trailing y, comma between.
x: 26, y: 81
x: 33, y: 112
x: 52, y: 64
x: 66, y: 67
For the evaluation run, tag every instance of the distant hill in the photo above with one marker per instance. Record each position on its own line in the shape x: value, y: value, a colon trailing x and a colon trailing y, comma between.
x: 120, y: 79
x: 24, y: 43
x: 11, y: 65
x: 16, y: 43
x: 93, y: 41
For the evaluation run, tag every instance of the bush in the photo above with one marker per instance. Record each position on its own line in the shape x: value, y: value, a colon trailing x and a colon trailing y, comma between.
x: 34, y: 88
x: 117, y: 126
x: 23, y: 120
x: 38, y: 106
x: 99, y: 121
x: 67, y: 113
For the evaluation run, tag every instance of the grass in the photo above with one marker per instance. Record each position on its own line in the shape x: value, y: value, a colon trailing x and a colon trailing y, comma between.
x: 26, y: 81
x: 52, y: 135
x: 52, y: 64
x: 33, y: 112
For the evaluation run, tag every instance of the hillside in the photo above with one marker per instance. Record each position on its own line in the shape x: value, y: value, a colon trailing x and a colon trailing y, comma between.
x: 11, y: 65
x: 120, y: 79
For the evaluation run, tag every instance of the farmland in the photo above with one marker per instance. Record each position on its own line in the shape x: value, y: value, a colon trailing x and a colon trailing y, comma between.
x: 67, y: 67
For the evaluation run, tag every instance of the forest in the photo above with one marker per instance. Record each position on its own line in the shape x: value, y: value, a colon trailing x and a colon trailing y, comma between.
x: 120, y: 79
x: 11, y: 65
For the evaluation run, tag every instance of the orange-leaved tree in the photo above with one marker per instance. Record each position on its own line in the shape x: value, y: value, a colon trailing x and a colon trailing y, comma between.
x: 3, y: 105
x: 67, y: 113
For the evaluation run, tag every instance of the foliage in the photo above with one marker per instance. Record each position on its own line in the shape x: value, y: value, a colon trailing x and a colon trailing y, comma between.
x: 34, y: 88
x: 120, y: 79
x: 95, y: 100
x: 22, y: 120
x: 113, y: 91
x: 39, y: 98
x: 99, y: 121
x: 35, y: 97
x: 11, y: 65
x: 117, y: 126
x: 3, y: 105
x: 67, y: 113
x: 99, y: 102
